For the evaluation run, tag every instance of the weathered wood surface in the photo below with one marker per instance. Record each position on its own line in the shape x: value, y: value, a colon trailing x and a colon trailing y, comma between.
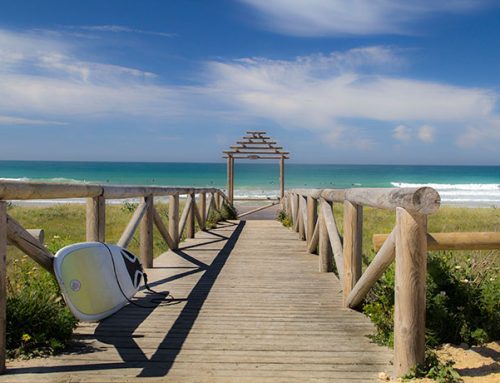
x: 453, y: 241
x: 253, y: 308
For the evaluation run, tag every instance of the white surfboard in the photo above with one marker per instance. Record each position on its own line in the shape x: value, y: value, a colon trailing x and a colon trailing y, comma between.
x: 96, y: 279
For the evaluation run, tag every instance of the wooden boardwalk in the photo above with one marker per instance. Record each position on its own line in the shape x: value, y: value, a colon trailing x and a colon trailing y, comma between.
x: 250, y: 306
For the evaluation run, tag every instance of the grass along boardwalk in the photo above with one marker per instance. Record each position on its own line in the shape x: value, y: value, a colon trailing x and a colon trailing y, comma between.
x: 250, y: 306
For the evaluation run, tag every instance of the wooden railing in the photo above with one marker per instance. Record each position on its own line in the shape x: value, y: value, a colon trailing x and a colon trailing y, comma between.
x: 407, y: 244
x: 144, y: 216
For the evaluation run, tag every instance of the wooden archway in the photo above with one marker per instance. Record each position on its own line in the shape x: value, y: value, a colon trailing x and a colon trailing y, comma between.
x: 256, y: 145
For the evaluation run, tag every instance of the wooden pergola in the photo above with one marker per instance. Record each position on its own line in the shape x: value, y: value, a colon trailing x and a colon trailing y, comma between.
x: 256, y: 145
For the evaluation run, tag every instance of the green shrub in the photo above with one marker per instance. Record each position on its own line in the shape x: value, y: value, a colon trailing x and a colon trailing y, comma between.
x: 432, y: 368
x: 284, y: 218
x: 463, y: 302
x: 38, y: 321
x: 228, y: 211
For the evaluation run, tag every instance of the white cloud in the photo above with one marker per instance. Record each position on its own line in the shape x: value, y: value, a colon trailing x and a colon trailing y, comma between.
x: 299, y: 94
x: 43, y: 79
x: 11, y: 120
x: 426, y: 133
x: 402, y: 133
x: 120, y: 29
x: 354, y: 17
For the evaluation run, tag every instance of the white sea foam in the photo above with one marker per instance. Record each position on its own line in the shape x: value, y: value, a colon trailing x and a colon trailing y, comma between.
x: 482, y: 195
x: 54, y: 180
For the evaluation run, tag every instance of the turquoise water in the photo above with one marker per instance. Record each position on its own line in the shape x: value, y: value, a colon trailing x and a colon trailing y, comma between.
x: 476, y: 185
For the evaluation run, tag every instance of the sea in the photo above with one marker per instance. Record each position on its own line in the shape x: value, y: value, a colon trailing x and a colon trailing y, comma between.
x: 474, y: 186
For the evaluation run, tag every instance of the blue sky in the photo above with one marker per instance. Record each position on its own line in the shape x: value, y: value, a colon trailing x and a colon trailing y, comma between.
x: 360, y: 81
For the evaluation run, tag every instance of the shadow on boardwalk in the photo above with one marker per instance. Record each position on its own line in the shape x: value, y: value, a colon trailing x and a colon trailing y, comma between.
x: 119, y: 329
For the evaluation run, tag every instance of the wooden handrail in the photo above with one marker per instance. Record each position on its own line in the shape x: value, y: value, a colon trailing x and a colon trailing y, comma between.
x: 423, y: 200
x: 144, y: 216
x: 19, y: 190
x: 407, y: 245
x: 453, y: 241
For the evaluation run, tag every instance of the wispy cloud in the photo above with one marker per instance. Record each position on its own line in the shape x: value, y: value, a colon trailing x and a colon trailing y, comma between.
x: 356, y: 17
x: 11, y: 120
x: 318, y: 94
x: 43, y: 79
x: 120, y: 29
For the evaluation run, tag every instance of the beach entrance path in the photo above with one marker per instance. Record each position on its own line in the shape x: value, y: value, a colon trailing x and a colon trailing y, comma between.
x: 250, y: 306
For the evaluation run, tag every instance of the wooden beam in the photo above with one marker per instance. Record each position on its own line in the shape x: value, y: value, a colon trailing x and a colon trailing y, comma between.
x: 302, y: 218
x: 266, y: 152
x: 185, y: 213
x: 312, y: 217
x: 325, y: 250
x: 29, y: 245
x: 257, y: 157
x: 353, y: 234
x: 409, y: 305
x: 453, y: 241
x: 162, y: 229
x: 312, y: 247
x: 334, y: 237
x: 146, y: 233
x: 374, y: 271
x: 3, y: 284
x: 203, y: 209
x: 96, y: 219
x: 173, y: 220
x: 190, y: 218
x: 198, y: 215
x: 134, y: 222
x: 38, y: 234
x: 282, y: 177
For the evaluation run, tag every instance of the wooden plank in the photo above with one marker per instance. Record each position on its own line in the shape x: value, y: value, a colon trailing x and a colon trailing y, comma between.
x: 134, y: 222
x: 409, y: 305
x: 96, y: 219
x: 453, y: 241
x: 302, y: 218
x: 38, y: 234
x: 260, y: 312
x: 3, y: 284
x: 353, y: 234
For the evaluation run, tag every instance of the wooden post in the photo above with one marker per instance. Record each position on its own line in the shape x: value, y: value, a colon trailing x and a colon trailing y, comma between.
x: 409, y: 305
x: 312, y: 217
x: 146, y: 234
x: 203, y: 208
x: 353, y: 233
x: 3, y: 283
x: 295, y: 211
x: 325, y: 249
x: 96, y: 219
x: 300, y: 218
x: 190, y: 218
x: 173, y: 218
x: 282, y: 176
x: 230, y: 178
x: 231, y: 199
